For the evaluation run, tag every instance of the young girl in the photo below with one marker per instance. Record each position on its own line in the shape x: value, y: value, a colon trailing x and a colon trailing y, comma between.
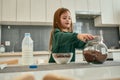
x: 62, y: 39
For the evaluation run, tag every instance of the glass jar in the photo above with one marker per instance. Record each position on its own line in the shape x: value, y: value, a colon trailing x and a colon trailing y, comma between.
x: 95, y: 51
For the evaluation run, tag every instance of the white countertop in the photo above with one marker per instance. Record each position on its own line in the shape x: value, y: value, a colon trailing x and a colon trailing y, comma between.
x: 83, y: 72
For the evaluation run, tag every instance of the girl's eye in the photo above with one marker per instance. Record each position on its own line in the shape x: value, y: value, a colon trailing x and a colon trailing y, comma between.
x: 69, y: 18
x: 64, y: 18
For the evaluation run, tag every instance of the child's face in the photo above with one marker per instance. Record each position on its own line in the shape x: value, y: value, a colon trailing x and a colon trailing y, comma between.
x: 65, y: 19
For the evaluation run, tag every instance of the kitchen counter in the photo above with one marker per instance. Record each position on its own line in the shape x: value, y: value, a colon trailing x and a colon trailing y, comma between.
x: 81, y: 71
x: 109, y: 50
x: 43, y: 56
x: 113, y: 50
x: 36, y: 53
x: 54, y: 66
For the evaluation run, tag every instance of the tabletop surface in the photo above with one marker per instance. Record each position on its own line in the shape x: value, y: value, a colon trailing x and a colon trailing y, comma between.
x: 81, y: 71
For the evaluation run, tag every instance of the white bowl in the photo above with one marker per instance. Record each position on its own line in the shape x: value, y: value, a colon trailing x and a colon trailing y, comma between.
x: 62, y: 58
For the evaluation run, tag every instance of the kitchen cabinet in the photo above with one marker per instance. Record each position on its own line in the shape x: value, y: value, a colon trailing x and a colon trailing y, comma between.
x: 94, y: 5
x: 79, y: 57
x: 116, y: 56
x: 107, y: 16
x: 23, y: 10
x: 51, y: 7
x: 71, y: 7
x: 81, y: 5
x: 8, y: 10
x: 38, y: 10
x: 87, y: 5
x: 30, y: 11
x: 116, y: 11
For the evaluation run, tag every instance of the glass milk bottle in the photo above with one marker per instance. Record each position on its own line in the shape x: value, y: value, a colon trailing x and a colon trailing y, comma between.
x: 27, y: 50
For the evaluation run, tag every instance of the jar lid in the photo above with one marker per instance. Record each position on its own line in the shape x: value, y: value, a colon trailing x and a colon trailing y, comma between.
x: 94, y: 41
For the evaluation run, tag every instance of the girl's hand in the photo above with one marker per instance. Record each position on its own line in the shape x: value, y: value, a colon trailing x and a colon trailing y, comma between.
x: 85, y: 37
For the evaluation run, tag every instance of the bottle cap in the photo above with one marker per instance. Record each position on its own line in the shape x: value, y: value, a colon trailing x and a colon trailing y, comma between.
x: 27, y: 34
x: 33, y: 66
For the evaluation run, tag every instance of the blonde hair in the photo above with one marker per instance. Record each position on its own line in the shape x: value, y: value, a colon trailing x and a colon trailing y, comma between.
x: 57, y: 23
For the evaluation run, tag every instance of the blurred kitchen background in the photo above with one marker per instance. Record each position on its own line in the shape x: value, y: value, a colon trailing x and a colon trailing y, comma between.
x: 35, y: 17
x: 41, y: 34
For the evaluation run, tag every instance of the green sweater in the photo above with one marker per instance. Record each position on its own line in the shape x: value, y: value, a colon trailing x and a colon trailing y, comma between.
x: 64, y: 42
